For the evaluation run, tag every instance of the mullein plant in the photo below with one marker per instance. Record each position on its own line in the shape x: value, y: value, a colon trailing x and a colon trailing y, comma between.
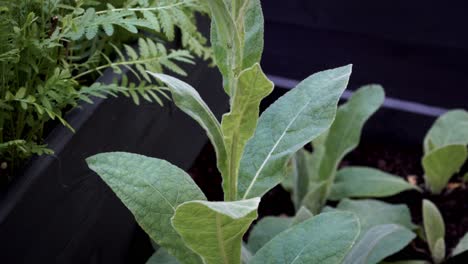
x: 252, y: 153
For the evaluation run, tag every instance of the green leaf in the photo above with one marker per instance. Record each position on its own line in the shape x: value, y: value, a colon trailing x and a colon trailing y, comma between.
x: 302, y: 214
x: 189, y: 101
x: 20, y: 93
x: 152, y: 189
x: 315, y: 197
x: 441, y: 163
x: 298, y: 175
x: 434, y: 228
x: 378, y: 243
x: 462, y: 246
x: 324, y: 239
x: 345, y: 132
x: 252, y: 33
x: 372, y: 213
x: 162, y: 257
x: 225, y: 41
x: 449, y: 129
x: 265, y: 230
x: 239, y: 124
x: 361, y: 182
x: 270, y: 226
x: 214, y: 229
x: 407, y: 262
x: 286, y: 126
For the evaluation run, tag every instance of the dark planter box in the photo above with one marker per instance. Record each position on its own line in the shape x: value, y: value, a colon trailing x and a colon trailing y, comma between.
x: 59, y: 211
x: 415, y: 49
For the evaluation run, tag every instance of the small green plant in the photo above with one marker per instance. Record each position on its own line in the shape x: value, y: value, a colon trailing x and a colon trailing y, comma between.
x: 445, y: 149
x: 252, y: 153
x: 52, y: 51
x: 434, y: 233
x: 314, y: 178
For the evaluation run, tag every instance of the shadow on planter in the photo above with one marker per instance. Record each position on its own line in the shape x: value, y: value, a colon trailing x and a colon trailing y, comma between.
x: 59, y: 211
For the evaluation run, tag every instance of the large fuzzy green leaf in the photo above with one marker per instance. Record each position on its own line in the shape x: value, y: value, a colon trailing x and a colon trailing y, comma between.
x: 270, y: 226
x: 266, y: 229
x: 353, y: 182
x: 214, y: 229
x: 449, y: 129
x: 151, y: 189
x: 225, y: 41
x: 462, y: 246
x: 372, y: 213
x: 239, y: 124
x: 345, y: 132
x: 251, y: 32
x: 286, y: 126
x: 189, y: 101
x: 324, y: 239
x: 441, y: 163
x: 434, y: 228
x: 298, y: 175
x: 378, y: 243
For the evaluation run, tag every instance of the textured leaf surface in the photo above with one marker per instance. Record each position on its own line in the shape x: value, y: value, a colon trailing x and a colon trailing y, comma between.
x: 434, y: 228
x: 214, y: 229
x: 189, y: 101
x: 462, y: 246
x: 298, y: 176
x: 266, y: 229
x: 324, y: 239
x: 239, y: 124
x: 152, y: 189
x: 449, y: 129
x: 162, y: 257
x: 224, y: 40
x: 378, y: 243
x: 270, y: 226
x: 315, y: 197
x: 407, y: 262
x: 372, y: 213
x: 286, y: 126
x: 440, y: 164
x: 345, y: 132
x: 367, y: 182
x: 252, y: 31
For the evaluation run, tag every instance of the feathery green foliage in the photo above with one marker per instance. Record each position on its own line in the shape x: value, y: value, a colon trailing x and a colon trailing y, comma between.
x: 52, y: 51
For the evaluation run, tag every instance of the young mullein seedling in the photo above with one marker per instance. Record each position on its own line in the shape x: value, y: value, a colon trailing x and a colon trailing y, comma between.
x: 314, y: 177
x: 434, y: 230
x: 445, y: 149
x: 251, y: 152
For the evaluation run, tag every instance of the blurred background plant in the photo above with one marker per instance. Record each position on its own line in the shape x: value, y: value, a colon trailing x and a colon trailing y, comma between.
x: 52, y: 52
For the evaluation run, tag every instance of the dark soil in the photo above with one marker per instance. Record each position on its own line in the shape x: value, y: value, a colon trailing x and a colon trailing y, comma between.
x: 397, y: 159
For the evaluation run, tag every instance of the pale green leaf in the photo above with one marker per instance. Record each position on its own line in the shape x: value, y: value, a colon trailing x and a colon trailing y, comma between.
x: 298, y: 176
x: 434, y: 228
x: 440, y: 165
x: 315, y: 197
x: 345, y: 132
x: 151, y: 189
x: 266, y: 229
x: 363, y: 182
x: 378, y: 243
x: 449, y: 129
x: 324, y: 239
x: 462, y: 246
x: 189, y: 101
x: 239, y: 124
x: 225, y: 41
x: 407, y: 262
x: 372, y: 213
x: 270, y: 226
x: 214, y: 229
x: 286, y: 126
x: 162, y: 257
x: 302, y: 215
x: 252, y: 32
